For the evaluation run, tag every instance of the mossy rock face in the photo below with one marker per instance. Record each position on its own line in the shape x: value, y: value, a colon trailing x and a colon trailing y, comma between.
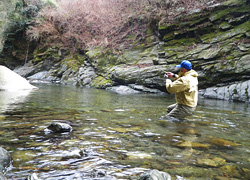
x: 101, y: 82
x: 168, y: 37
x: 243, y: 65
x: 219, y: 14
x: 222, y: 36
x: 234, y: 2
x: 74, y: 62
x: 102, y: 59
x: 225, y: 26
x: 215, y: 41
x: 54, y: 53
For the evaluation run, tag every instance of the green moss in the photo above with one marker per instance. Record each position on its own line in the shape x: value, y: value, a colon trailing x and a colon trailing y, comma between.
x: 101, y: 62
x: 150, y: 39
x: 239, y: 7
x: 169, y: 51
x: 102, y: 58
x: 168, y: 37
x: 139, y: 46
x: 131, y: 37
x: 182, y: 42
x: 45, y: 53
x: 246, y: 92
x: 233, y: 2
x: 207, y: 37
x: 218, y: 15
x: 196, y: 20
x: 165, y: 26
x: 93, y: 53
x: 235, y: 91
x: 224, y: 25
x: 229, y: 58
x: 81, y: 58
x: 101, y: 82
x: 243, y: 27
x: 73, y: 64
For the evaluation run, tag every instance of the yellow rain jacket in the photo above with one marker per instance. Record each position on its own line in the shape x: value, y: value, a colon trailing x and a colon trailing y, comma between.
x: 185, y: 88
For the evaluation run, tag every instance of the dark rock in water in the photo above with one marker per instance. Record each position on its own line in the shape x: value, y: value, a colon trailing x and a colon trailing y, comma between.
x: 5, y: 159
x: 155, y: 175
x: 223, y: 143
x: 60, y: 127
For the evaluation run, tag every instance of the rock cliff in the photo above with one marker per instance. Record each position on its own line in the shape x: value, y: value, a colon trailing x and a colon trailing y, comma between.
x: 216, y: 41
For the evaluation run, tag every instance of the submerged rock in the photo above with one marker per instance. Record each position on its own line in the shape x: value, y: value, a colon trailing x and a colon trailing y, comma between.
x: 236, y: 171
x: 223, y: 143
x: 188, y: 144
x: 60, y: 127
x: 20, y: 156
x: 189, y: 131
x: 155, y: 175
x: 2, y: 177
x: 215, y: 162
x: 138, y: 155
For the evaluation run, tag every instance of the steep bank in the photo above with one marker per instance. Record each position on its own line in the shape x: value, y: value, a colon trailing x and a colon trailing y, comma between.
x: 217, y: 41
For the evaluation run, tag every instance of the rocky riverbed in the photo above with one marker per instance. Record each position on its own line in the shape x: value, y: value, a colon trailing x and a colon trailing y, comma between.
x: 106, y: 135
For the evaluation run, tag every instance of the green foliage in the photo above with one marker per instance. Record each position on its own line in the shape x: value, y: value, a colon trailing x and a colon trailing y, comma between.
x: 20, y: 18
x: 42, y: 54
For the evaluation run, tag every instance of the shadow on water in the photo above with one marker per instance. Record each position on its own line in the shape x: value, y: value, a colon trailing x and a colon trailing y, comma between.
x: 120, y: 136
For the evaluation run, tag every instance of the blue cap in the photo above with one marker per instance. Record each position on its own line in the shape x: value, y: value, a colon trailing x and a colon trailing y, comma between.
x: 185, y: 64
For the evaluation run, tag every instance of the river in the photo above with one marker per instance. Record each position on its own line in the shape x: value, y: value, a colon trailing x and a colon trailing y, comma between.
x: 117, y: 136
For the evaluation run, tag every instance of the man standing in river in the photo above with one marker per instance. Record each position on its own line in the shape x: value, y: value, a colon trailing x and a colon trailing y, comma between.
x: 185, y: 87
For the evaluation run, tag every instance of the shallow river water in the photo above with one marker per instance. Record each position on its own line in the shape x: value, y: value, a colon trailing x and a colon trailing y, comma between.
x: 117, y: 136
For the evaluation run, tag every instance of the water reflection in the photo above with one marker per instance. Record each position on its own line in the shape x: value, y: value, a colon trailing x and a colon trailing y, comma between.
x: 11, y: 99
x: 120, y: 136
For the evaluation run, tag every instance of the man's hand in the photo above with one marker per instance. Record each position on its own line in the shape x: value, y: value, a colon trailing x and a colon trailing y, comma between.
x: 170, y: 74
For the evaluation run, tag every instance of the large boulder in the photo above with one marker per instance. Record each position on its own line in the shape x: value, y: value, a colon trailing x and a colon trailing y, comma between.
x: 11, y: 81
x: 5, y: 159
x: 234, y: 92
